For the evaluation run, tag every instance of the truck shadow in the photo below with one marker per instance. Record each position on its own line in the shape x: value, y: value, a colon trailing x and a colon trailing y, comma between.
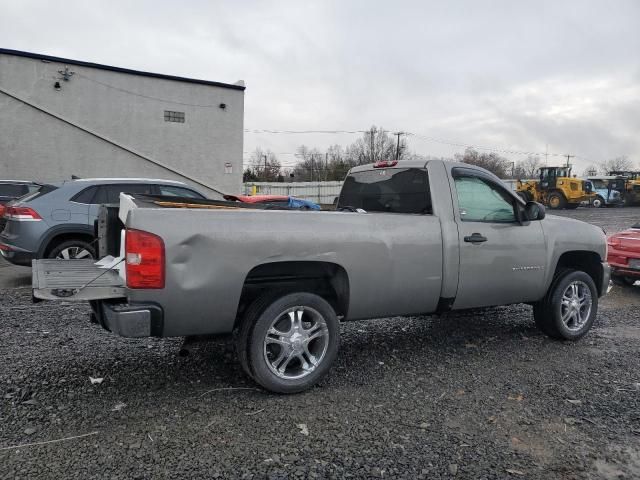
x: 371, y: 351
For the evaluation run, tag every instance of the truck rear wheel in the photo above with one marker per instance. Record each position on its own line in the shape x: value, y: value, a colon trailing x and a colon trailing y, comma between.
x: 73, y: 250
x: 287, y: 343
x: 570, y: 306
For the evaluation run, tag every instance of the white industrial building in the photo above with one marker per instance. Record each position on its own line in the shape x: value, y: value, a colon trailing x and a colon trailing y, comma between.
x: 61, y: 117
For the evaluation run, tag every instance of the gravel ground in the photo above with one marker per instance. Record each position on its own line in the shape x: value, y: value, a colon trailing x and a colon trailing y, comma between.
x: 479, y: 394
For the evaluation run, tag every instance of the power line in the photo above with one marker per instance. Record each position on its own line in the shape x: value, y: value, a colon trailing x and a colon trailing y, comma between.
x: 452, y: 143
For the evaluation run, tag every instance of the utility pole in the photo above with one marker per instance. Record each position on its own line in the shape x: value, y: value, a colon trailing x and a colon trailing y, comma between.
x: 569, y: 157
x: 326, y: 165
x: 546, y: 156
x: 265, y: 167
x: 371, y: 139
x: 398, y: 144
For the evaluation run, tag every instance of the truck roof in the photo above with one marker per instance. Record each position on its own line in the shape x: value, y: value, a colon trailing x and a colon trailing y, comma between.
x: 400, y: 164
x: 420, y: 164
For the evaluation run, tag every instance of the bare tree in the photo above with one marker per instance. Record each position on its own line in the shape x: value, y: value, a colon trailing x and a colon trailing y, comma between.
x: 618, y: 164
x: 376, y: 145
x: 493, y: 162
x: 590, y: 171
x: 264, y: 166
x: 527, y: 168
x: 311, y: 165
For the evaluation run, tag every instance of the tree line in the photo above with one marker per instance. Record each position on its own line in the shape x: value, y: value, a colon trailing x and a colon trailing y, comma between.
x: 378, y: 144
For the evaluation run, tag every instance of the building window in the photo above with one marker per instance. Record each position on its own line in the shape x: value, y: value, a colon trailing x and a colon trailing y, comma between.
x: 170, y: 116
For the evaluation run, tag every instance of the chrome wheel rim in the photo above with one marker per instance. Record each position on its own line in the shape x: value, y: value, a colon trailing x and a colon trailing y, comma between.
x: 576, y: 304
x: 296, y: 343
x: 72, y: 253
x: 597, y: 203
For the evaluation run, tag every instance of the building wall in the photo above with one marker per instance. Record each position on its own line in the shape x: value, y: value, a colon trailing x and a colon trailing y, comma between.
x: 103, y: 124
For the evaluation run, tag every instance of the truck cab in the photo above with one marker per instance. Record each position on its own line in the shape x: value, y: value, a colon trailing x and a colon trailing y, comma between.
x: 608, y: 190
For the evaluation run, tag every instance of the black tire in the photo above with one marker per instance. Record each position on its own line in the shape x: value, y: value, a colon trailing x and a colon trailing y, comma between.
x: 623, y: 280
x: 547, y: 313
x: 70, y: 246
x: 557, y: 199
x: 598, y: 202
x: 252, y: 332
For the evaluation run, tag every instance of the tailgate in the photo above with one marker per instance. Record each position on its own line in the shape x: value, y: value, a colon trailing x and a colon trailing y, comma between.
x: 54, y: 279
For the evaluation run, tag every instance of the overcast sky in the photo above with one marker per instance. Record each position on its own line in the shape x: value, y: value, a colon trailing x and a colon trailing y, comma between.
x: 505, y: 74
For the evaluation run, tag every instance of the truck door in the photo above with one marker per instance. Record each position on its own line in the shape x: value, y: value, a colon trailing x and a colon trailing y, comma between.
x: 501, y: 260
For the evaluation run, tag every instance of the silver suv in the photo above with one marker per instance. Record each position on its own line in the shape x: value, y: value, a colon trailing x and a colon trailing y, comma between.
x: 56, y: 221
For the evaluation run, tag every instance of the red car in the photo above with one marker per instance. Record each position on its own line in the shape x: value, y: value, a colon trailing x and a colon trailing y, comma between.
x: 624, y: 254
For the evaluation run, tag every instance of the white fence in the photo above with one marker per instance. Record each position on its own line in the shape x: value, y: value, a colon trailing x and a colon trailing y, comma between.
x: 319, y: 192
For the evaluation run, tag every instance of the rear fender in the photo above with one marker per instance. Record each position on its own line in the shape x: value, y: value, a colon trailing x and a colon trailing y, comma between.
x: 60, y: 230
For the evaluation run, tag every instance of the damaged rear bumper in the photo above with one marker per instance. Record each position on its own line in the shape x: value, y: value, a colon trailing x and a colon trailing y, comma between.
x: 129, y: 320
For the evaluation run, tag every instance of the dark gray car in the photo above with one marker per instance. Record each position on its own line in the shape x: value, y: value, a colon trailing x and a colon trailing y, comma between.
x: 56, y: 220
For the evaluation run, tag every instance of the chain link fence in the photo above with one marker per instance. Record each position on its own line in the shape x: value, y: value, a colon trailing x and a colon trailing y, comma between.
x: 319, y: 192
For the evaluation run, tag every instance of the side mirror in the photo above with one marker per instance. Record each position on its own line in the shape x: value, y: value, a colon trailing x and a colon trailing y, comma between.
x: 534, y: 211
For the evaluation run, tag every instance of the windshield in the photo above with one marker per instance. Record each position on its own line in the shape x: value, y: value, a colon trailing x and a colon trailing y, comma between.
x: 387, y: 190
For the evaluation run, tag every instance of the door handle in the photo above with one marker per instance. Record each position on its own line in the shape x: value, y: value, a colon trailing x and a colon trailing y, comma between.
x: 475, y: 238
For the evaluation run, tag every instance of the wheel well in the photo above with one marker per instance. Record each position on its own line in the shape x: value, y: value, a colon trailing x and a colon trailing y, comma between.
x: 328, y: 280
x: 559, y: 192
x: 588, y: 262
x: 63, y: 237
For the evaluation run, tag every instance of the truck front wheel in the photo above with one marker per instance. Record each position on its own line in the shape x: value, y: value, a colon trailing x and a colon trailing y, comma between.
x: 288, y: 343
x: 598, y: 202
x: 570, y: 306
x: 556, y: 201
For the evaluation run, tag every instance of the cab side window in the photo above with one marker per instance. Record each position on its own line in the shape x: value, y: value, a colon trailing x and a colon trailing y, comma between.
x: 482, y: 201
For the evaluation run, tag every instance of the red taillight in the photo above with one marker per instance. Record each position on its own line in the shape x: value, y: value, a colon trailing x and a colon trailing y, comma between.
x: 24, y: 214
x: 2, y: 210
x: 144, y: 254
x: 385, y: 164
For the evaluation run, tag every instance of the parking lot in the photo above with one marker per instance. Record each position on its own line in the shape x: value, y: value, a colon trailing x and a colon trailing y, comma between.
x: 479, y: 394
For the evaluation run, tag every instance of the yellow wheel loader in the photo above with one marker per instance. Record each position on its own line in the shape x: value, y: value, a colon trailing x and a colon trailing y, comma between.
x: 631, y: 192
x: 556, y: 189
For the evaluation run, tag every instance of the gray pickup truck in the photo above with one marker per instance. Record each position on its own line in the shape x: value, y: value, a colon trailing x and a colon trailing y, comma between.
x: 407, y: 238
